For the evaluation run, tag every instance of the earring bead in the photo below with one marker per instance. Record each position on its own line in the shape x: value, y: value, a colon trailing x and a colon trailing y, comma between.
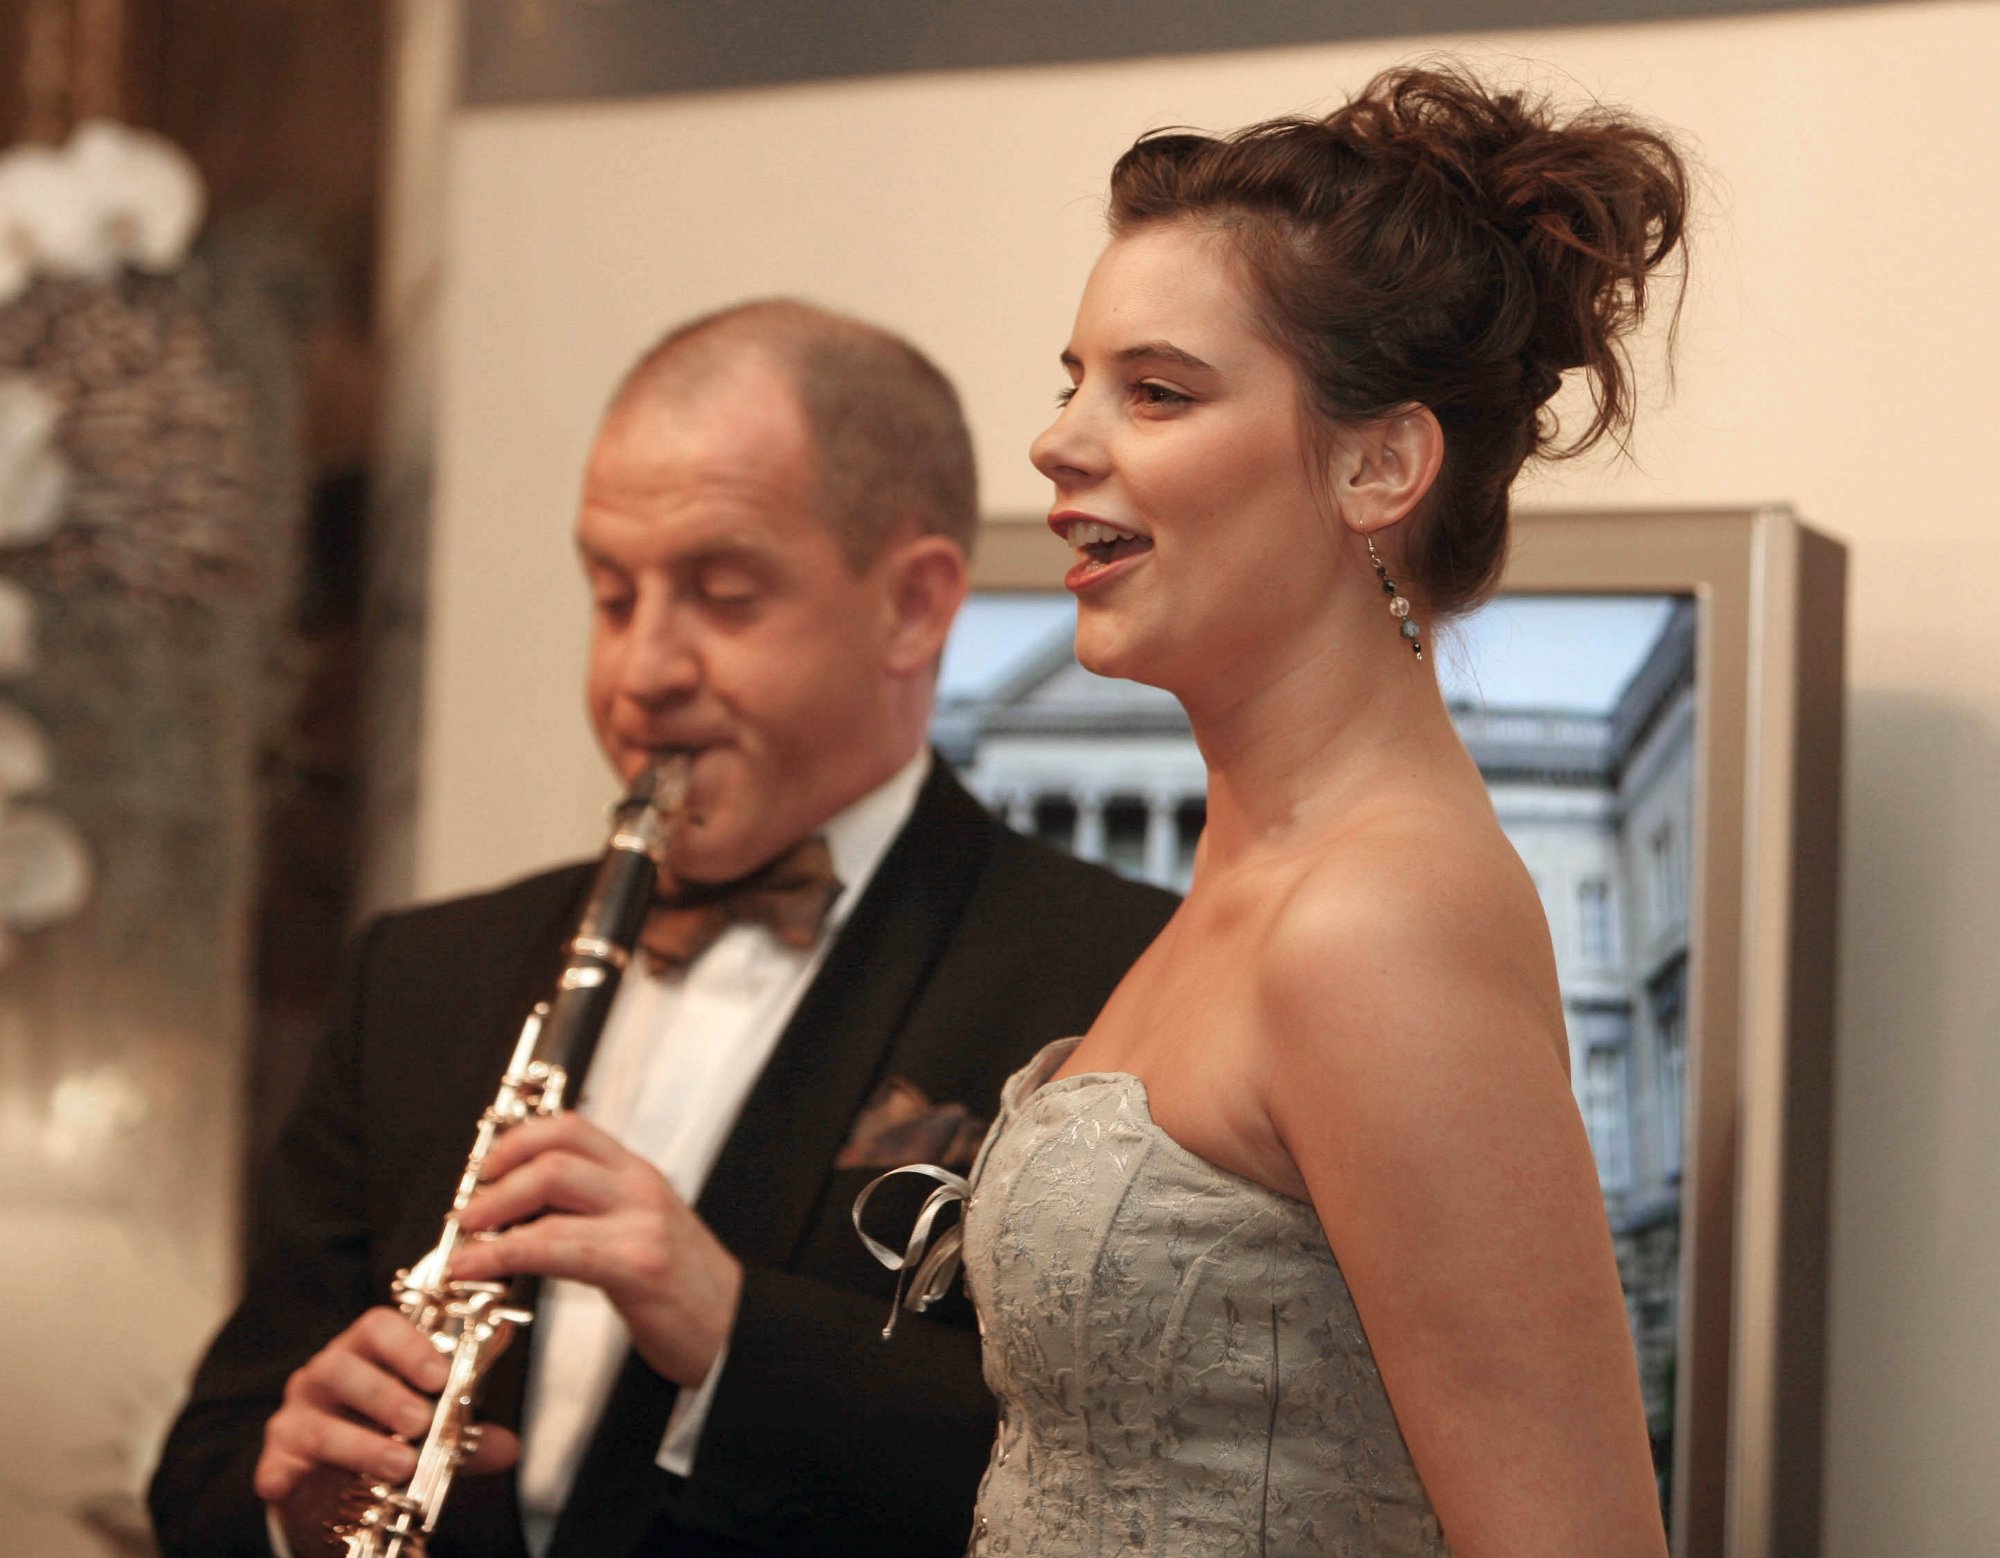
x: 1399, y: 606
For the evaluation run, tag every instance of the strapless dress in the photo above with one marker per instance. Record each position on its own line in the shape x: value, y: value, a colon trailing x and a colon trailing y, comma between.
x: 1178, y: 1363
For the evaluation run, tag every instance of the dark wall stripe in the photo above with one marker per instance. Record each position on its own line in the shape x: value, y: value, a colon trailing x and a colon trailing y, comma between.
x: 529, y: 51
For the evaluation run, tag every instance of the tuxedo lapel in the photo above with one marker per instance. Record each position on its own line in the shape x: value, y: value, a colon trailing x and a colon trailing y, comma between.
x: 771, y: 1176
x: 768, y: 1181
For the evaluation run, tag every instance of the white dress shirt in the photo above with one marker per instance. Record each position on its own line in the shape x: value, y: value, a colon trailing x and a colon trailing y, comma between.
x: 679, y: 1054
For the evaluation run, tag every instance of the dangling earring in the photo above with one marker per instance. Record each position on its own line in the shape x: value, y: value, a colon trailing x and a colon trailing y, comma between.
x: 1398, y: 607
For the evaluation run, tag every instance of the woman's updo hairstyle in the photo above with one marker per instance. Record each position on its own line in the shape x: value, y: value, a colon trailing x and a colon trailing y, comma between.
x: 1434, y: 243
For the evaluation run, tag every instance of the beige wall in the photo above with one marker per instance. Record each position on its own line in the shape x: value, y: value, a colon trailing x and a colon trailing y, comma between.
x: 1837, y: 355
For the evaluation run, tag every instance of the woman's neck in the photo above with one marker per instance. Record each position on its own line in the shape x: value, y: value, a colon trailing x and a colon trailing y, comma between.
x: 1315, y: 740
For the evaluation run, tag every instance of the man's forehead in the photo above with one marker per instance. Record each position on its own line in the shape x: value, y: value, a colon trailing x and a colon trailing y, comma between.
x: 746, y: 386
x: 700, y: 495
x: 735, y: 422
x: 688, y: 475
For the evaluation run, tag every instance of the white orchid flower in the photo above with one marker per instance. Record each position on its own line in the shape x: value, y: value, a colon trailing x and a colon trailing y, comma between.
x: 50, y: 218
x: 17, y: 630
x: 24, y: 754
x: 17, y: 266
x: 147, y: 191
x: 44, y: 868
x: 113, y: 196
x: 34, y: 482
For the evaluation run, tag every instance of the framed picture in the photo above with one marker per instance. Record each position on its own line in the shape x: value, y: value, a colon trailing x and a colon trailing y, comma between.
x: 1655, y: 702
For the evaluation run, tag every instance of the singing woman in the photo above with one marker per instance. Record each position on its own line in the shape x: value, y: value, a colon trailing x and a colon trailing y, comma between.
x: 1300, y: 1249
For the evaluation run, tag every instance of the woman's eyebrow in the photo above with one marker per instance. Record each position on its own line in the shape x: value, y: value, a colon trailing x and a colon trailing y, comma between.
x: 1164, y: 351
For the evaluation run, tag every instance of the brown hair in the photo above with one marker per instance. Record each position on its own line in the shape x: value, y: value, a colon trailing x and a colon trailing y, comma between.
x: 1434, y: 243
x: 891, y: 452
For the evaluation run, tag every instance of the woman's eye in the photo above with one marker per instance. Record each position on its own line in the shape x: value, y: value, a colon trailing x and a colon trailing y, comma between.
x: 1158, y: 394
x: 1066, y: 395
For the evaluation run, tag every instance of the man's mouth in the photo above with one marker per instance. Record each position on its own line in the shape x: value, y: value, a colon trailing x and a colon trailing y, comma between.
x: 1099, y: 545
x: 646, y: 752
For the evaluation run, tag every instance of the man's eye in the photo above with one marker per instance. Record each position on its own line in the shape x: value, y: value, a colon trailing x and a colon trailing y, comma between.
x: 615, y: 607
x: 729, y: 593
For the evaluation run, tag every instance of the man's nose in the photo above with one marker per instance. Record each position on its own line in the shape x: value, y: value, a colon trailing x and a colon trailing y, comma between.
x: 662, y: 659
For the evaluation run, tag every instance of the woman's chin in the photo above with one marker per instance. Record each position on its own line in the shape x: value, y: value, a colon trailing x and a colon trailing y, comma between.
x: 1115, y: 656
x: 1096, y: 652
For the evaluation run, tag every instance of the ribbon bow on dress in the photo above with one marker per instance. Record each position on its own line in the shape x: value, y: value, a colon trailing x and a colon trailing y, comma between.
x: 925, y: 1268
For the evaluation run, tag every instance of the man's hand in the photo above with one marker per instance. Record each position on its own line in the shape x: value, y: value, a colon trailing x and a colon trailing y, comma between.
x: 568, y: 1201
x: 340, y: 1411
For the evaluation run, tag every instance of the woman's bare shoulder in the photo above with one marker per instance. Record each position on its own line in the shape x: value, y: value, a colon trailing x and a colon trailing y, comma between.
x: 1419, y: 930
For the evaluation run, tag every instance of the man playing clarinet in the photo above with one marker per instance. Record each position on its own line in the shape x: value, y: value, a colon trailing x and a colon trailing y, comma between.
x: 847, y: 957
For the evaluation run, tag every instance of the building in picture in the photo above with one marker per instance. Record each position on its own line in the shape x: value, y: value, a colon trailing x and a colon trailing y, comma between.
x: 1105, y: 769
x: 1601, y: 809
x: 1600, y: 805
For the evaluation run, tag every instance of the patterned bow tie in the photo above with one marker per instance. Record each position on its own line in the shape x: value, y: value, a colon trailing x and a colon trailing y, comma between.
x: 789, y: 897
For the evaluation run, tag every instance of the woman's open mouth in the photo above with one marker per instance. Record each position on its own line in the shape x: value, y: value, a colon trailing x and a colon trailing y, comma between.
x: 1100, y: 546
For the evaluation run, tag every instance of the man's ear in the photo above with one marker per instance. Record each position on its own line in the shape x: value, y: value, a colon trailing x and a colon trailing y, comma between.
x: 1383, y: 469
x: 927, y: 583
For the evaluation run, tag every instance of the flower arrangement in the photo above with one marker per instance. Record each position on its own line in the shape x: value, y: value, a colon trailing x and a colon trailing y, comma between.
x: 111, y: 197
x: 106, y: 310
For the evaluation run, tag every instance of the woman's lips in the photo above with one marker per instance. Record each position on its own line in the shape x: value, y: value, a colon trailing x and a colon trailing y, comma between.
x: 1091, y: 572
x: 1104, y: 548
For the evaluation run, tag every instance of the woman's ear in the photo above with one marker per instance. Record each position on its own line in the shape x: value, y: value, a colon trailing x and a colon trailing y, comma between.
x: 1383, y: 469
x: 927, y: 583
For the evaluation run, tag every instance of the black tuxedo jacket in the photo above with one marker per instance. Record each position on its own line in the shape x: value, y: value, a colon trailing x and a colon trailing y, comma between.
x: 970, y: 948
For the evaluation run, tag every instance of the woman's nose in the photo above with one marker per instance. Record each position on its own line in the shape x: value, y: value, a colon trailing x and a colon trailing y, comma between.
x: 1066, y: 451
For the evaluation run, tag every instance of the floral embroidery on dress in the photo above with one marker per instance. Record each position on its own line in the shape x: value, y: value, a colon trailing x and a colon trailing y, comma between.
x: 1179, y: 1365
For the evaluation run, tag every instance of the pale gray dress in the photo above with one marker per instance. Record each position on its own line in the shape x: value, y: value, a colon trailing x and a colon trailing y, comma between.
x: 1179, y: 1365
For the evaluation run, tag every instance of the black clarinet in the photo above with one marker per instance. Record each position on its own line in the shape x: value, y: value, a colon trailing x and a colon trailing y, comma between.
x: 470, y: 1323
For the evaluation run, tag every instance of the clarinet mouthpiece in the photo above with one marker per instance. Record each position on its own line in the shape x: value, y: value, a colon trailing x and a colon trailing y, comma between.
x: 661, y: 784
x: 665, y: 781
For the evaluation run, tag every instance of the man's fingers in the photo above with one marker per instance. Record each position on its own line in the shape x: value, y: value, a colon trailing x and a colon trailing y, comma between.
x: 495, y: 1449
x: 345, y: 1383
x: 277, y: 1473
x: 297, y: 1442
x: 558, y: 1181
x: 565, y: 1132
x: 573, y: 1248
x: 307, y: 1513
x: 299, y: 1446
x: 389, y: 1339
x: 343, y: 1403
x: 375, y: 1367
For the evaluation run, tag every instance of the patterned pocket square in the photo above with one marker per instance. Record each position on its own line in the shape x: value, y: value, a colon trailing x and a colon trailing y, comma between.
x: 900, y: 1125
